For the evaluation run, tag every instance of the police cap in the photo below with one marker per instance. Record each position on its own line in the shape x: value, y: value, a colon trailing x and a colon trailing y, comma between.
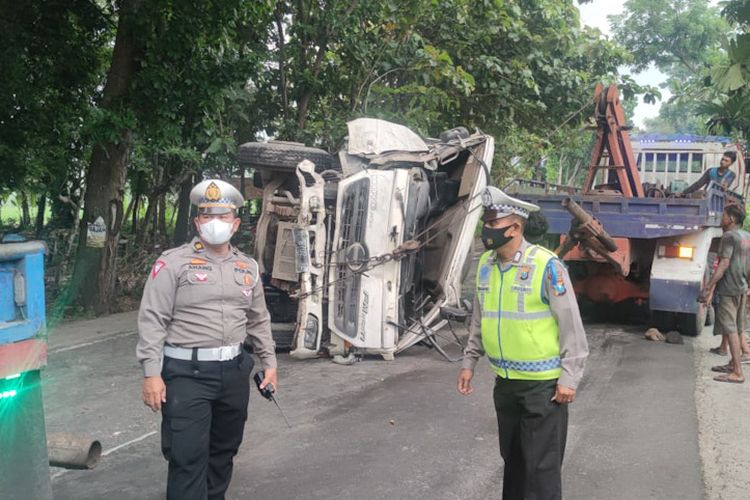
x: 497, y: 205
x: 214, y: 196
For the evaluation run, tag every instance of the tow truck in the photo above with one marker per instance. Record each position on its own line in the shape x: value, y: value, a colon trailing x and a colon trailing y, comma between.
x: 630, y: 244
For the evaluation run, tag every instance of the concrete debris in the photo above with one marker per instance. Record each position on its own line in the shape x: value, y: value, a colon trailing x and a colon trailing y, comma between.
x: 674, y: 337
x: 655, y: 335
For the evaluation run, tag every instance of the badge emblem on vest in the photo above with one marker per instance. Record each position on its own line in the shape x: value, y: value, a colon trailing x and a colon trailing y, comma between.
x: 524, y: 273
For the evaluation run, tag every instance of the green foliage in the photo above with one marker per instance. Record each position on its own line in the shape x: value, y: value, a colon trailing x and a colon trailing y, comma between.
x: 211, y: 75
x: 683, y: 39
x: 675, y: 35
x: 515, y: 70
x: 52, y: 54
x: 728, y: 104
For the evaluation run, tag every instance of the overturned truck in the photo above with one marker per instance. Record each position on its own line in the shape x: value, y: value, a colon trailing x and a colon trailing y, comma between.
x: 364, y: 252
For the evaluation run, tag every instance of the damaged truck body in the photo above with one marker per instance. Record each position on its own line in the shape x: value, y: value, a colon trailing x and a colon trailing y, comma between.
x: 365, y: 252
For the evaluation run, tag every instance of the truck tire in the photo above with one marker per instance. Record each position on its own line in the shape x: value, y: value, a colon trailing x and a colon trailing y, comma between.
x: 283, y: 156
x: 692, y: 324
x: 663, y: 320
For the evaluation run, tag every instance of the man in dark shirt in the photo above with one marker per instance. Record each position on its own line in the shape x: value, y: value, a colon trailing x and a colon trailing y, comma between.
x: 730, y: 280
x: 721, y: 175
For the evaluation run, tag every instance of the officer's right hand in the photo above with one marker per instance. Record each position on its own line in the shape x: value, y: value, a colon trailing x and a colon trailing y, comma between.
x: 154, y: 392
x: 464, y: 381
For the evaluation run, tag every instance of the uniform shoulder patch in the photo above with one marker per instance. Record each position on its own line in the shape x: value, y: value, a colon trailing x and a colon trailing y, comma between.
x: 555, y: 276
x: 158, y: 266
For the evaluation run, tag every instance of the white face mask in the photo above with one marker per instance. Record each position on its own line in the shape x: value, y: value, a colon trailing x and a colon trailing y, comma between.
x: 216, y: 232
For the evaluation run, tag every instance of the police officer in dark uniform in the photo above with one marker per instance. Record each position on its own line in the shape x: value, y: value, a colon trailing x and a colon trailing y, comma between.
x: 201, y: 302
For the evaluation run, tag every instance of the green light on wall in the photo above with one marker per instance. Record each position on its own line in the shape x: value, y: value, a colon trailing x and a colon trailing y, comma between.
x: 11, y: 386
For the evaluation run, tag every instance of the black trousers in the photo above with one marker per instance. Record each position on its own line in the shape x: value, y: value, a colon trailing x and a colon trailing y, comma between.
x: 202, y: 424
x: 533, y: 430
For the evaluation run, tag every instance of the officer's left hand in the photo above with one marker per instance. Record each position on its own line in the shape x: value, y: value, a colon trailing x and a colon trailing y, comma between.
x: 564, y: 395
x: 271, y: 378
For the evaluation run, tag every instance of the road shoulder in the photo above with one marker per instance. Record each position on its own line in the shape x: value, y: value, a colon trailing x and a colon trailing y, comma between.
x: 723, y: 425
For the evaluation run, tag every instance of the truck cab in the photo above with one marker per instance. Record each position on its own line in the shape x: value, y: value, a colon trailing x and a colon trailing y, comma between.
x: 364, y: 251
x: 672, y: 162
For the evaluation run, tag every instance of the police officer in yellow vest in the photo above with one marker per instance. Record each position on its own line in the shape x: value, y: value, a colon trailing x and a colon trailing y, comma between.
x: 526, y: 321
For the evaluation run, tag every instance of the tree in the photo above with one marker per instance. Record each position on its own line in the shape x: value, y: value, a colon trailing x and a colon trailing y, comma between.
x: 729, y: 105
x: 189, y: 81
x: 53, y: 55
x: 170, y: 62
x: 508, y: 68
x: 683, y: 39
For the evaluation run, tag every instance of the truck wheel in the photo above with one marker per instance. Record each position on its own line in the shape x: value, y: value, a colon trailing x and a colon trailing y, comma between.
x: 692, y: 324
x: 284, y: 156
x: 662, y: 320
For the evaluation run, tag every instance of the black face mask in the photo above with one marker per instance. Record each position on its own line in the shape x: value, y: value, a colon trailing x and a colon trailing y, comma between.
x: 495, y: 238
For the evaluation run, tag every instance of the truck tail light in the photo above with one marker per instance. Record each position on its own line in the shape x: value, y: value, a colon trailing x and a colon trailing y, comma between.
x: 676, y: 252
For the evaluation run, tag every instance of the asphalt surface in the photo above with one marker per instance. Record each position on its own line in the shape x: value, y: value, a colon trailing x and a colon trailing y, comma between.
x: 392, y: 430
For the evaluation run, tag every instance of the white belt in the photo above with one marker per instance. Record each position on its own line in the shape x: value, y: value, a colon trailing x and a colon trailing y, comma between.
x: 223, y: 353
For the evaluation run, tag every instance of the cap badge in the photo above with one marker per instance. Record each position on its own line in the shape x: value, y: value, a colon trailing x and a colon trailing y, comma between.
x: 213, y: 193
x: 486, y: 198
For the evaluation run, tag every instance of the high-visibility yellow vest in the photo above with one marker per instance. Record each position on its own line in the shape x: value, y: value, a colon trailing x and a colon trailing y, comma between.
x: 519, y: 333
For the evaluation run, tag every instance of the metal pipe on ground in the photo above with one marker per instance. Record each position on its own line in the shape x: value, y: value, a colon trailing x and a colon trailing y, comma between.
x: 73, y: 452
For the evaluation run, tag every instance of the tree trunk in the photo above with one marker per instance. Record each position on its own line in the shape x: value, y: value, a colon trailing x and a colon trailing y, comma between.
x: 142, y: 235
x: 25, y: 213
x: 41, y: 207
x: 182, y: 227
x: 129, y: 210
x: 136, y: 209
x: 162, y: 221
x: 106, y: 174
x: 279, y: 16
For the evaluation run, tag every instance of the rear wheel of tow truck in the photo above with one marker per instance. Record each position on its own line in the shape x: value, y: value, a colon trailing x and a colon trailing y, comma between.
x: 692, y: 324
x: 664, y: 321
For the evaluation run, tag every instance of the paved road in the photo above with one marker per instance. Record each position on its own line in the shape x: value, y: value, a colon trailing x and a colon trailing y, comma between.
x: 391, y: 430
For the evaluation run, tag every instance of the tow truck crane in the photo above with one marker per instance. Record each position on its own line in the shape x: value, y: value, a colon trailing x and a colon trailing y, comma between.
x: 623, y: 245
